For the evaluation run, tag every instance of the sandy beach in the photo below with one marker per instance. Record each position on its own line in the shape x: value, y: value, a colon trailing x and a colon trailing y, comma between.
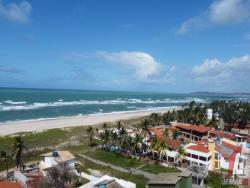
x: 38, y: 125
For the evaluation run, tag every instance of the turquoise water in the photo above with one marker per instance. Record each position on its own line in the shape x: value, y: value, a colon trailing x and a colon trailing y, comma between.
x: 27, y: 104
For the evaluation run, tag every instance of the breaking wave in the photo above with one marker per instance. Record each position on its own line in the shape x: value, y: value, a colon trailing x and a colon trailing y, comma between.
x: 22, y: 105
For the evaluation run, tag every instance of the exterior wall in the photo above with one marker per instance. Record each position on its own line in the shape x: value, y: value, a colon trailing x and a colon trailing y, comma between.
x: 224, y: 163
x: 198, y: 161
x: 211, y: 148
x: 49, y: 161
x: 209, y: 113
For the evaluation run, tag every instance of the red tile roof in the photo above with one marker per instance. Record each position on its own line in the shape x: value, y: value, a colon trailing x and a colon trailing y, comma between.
x: 199, y: 148
x: 248, y: 139
x: 9, y: 184
x: 222, y: 134
x: 171, y: 143
x: 196, y: 128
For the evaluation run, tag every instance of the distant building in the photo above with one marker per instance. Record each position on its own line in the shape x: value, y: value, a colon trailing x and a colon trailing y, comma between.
x: 172, y: 180
x: 209, y: 113
x: 55, y: 159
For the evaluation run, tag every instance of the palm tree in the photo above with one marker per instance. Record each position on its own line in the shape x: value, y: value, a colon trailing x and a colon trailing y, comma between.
x: 5, y: 158
x: 90, y: 132
x: 146, y: 127
x: 18, y: 149
x: 162, y: 147
x: 166, y: 132
x: 181, y: 152
x: 175, y: 133
x: 105, y: 125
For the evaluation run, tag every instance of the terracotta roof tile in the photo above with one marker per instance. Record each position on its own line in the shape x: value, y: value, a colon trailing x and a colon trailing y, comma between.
x: 9, y: 184
x: 199, y: 148
x: 171, y: 143
x: 222, y: 134
x: 196, y: 128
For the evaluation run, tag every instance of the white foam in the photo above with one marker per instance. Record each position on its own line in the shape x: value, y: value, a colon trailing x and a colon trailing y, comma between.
x: 15, y: 106
x: 15, y: 102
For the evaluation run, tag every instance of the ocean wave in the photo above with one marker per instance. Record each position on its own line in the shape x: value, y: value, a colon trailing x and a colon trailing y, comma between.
x: 16, y: 106
x: 14, y: 102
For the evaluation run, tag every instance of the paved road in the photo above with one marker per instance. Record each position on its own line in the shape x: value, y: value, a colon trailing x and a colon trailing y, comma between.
x: 131, y: 170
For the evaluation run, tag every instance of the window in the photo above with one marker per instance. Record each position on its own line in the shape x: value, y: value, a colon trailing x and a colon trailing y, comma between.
x: 188, y: 154
x: 202, y: 158
x: 195, y: 156
x: 209, y: 158
x: 217, y: 156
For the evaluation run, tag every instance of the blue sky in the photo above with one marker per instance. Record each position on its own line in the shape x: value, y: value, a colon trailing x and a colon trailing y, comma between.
x: 142, y: 45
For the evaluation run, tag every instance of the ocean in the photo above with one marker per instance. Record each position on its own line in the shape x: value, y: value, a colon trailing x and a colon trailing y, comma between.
x: 33, y: 104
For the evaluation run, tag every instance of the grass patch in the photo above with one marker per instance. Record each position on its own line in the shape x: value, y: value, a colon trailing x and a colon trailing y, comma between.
x: 114, y: 158
x: 156, y: 169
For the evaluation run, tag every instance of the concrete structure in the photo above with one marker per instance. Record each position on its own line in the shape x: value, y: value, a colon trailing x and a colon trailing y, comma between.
x: 55, y: 159
x: 191, y: 132
x: 106, y: 182
x: 171, y: 180
x: 209, y: 113
x: 197, y: 154
x: 226, y: 155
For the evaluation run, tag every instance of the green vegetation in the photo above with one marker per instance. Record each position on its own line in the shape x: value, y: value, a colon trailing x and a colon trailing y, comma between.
x: 215, y: 181
x: 114, y: 158
x: 156, y: 169
x: 233, y: 112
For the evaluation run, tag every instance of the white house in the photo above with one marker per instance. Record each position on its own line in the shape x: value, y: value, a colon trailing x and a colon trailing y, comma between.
x: 56, y: 158
x: 197, y: 154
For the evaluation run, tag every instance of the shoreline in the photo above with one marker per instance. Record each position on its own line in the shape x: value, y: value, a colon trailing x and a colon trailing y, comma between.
x: 14, y: 127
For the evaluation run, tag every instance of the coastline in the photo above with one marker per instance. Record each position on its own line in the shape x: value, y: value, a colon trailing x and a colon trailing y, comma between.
x: 14, y: 127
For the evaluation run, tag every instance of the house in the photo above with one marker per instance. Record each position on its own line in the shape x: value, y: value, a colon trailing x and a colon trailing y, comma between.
x: 9, y: 184
x: 222, y: 134
x: 197, y: 154
x: 56, y: 159
x: 106, y: 182
x: 191, y: 132
x: 171, y: 153
x: 171, y: 180
x: 226, y: 155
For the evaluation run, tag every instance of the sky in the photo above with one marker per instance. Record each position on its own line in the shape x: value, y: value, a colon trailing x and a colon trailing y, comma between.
x: 174, y: 46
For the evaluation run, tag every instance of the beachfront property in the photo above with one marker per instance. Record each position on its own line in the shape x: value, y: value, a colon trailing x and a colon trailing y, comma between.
x: 226, y: 155
x: 170, y: 154
x: 57, y: 159
x: 191, y: 132
x: 171, y: 180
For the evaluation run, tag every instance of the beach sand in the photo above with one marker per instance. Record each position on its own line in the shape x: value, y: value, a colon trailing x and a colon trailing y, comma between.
x: 38, y: 125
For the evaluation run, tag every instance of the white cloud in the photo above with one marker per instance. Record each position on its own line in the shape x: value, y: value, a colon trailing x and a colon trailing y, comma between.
x: 217, y: 72
x: 220, y: 12
x: 143, y: 64
x: 16, y: 12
